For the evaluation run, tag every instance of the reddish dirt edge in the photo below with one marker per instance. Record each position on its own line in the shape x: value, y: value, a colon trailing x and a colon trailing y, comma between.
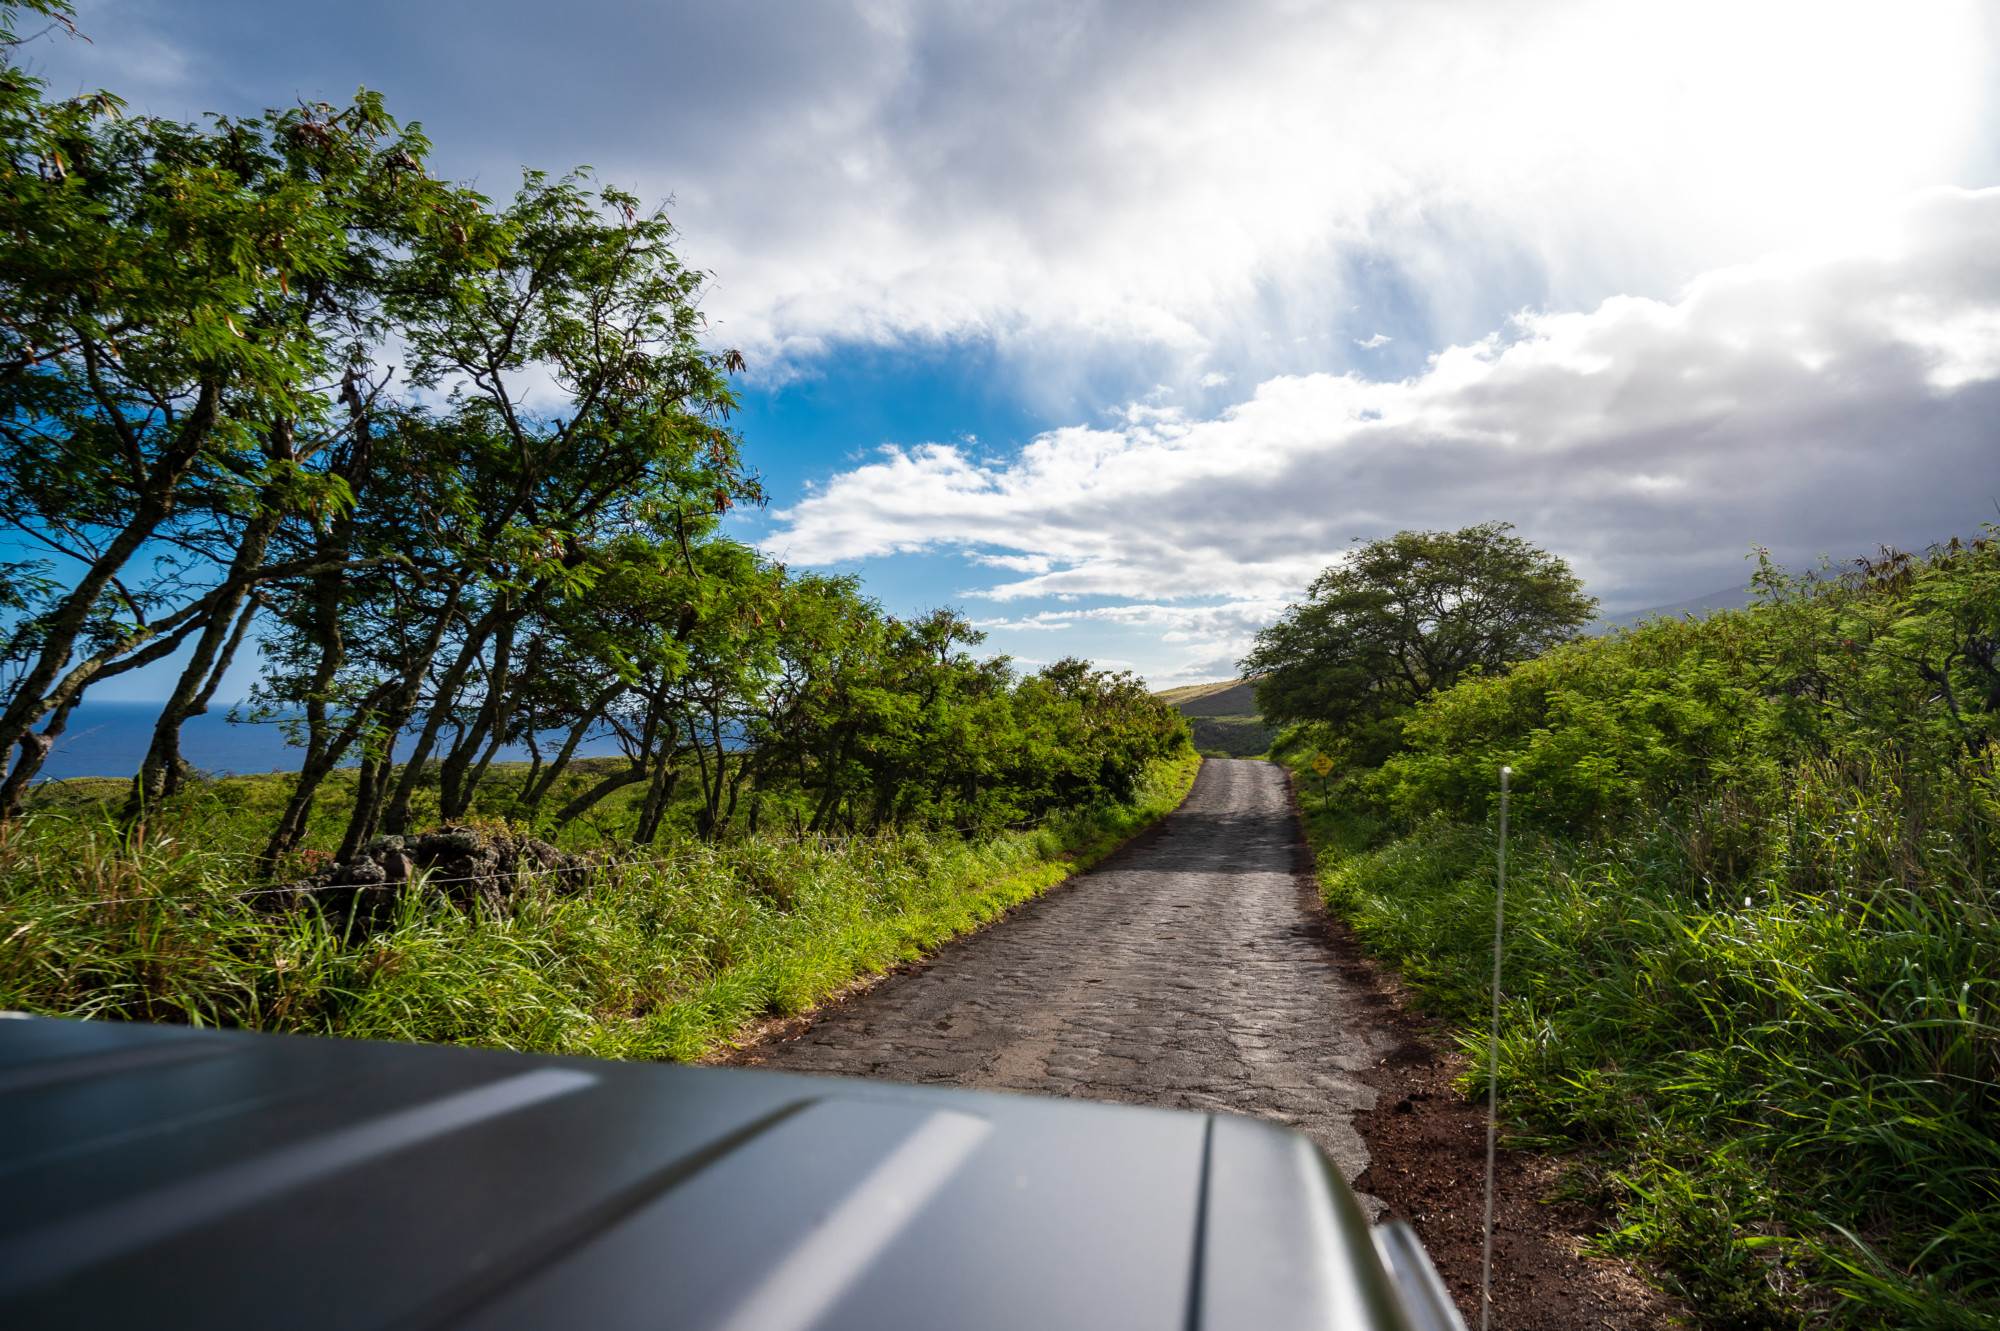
x: 1427, y: 1161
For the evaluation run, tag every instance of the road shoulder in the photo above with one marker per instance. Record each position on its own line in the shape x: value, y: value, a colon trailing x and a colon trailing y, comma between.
x: 747, y: 1046
x: 1427, y: 1165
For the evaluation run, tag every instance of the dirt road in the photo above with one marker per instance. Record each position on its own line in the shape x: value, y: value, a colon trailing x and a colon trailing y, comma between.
x: 1195, y: 969
x: 1189, y: 970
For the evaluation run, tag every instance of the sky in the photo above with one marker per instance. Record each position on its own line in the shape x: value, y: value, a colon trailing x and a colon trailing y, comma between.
x: 1111, y: 324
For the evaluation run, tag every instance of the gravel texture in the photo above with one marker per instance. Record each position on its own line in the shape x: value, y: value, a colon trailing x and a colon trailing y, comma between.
x: 1197, y: 969
x: 1189, y: 970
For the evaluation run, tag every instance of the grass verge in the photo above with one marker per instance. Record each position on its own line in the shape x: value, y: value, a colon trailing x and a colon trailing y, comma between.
x: 663, y: 960
x: 1787, y: 1097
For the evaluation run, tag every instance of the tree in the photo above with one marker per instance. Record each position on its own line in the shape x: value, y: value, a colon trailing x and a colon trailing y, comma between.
x: 176, y: 305
x: 1405, y: 616
x: 497, y: 508
x: 1096, y: 730
x: 460, y: 472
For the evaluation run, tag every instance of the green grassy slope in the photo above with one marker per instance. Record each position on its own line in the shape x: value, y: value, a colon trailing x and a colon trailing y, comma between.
x: 1224, y: 717
x: 1751, y: 987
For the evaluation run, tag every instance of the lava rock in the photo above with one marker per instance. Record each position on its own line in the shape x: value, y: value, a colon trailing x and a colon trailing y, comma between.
x: 471, y: 866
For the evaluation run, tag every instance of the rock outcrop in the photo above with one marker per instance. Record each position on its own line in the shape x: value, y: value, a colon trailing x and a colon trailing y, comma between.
x: 469, y: 865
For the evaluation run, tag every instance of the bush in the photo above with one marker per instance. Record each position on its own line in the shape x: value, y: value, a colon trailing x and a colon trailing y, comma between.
x: 1753, y: 968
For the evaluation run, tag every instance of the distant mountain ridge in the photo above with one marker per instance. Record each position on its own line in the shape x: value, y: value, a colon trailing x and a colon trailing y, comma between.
x: 1729, y: 598
x: 1224, y: 716
x: 1228, y: 697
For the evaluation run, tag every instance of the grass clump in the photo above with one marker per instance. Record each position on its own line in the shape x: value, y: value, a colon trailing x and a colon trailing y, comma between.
x: 1752, y: 981
x: 652, y: 960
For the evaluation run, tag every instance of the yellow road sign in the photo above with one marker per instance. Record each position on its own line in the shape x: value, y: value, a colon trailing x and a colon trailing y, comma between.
x: 1322, y: 764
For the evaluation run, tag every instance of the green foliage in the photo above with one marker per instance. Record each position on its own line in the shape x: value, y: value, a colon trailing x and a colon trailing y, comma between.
x: 1753, y: 965
x: 1897, y: 656
x: 1402, y: 618
x: 1598, y: 729
x: 510, y: 529
x: 1755, y: 1072
x: 662, y: 959
x: 268, y: 372
x: 176, y: 300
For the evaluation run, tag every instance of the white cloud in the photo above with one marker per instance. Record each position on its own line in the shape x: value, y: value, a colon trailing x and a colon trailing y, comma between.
x: 1195, y: 184
x: 1206, y: 640
x: 1192, y: 193
x: 1018, y: 563
x: 1809, y: 403
x: 1201, y: 179
x: 1226, y: 622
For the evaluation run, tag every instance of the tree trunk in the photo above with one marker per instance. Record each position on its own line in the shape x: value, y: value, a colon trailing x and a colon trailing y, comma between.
x: 161, y: 772
x: 639, y: 771
x: 830, y: 800
x: 474, y: 780
x: 372, y: 792
x: 31, y: 700
x: 659, y: 798
x: 536, y: 792
x: 16, y: 788
x: 320, y: 764
x: 325, y: 746
x: 736, y: 787
x: 642, y: 767
x: 396, y: 817
x: 661, y: 742
x: 454, y: 790
x: 178, y: 770
x: 63, y: 700
x: 369, y: 785
x: 711, y: 785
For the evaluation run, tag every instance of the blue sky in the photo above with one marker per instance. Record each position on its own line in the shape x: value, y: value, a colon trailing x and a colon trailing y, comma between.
x: 1112, y: 322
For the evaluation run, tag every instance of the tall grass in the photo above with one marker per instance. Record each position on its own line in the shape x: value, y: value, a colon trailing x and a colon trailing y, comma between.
x: 1771, y: 1032
x: 658, y: 960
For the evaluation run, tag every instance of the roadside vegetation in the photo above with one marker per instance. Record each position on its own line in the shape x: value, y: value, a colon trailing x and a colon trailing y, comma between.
x: 664, y: 958
x: 1752, y: 981
x: 458, y: 471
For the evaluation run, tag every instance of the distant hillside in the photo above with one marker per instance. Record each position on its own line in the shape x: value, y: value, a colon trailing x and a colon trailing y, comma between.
x: 1224, y: 716
x: 1729, y: 598
x: 1230, y: 697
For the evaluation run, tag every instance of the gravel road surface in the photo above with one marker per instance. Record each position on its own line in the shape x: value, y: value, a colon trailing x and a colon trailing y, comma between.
x: 1188, y: 970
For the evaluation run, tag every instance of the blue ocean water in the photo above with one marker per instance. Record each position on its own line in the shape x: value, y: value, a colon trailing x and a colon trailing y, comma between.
x: 111, y: 738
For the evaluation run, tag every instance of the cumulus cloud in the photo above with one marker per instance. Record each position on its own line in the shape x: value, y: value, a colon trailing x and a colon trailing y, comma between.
x: 1205, y: 186
x: 1213, y: 180
x: 1183, y: 643
x: 1224, y: 622
x: 1212, y: 194
x: 1810, y: 403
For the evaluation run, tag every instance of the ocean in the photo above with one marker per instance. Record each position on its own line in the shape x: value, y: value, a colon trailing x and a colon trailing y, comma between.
x: 111, y: 738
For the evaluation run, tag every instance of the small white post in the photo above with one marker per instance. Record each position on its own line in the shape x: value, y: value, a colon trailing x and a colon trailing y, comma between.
x: 1493, y: 1068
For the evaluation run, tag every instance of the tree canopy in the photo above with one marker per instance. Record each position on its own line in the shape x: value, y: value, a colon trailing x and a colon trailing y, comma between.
x: 459, y: 471
x: 1405, y: 616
